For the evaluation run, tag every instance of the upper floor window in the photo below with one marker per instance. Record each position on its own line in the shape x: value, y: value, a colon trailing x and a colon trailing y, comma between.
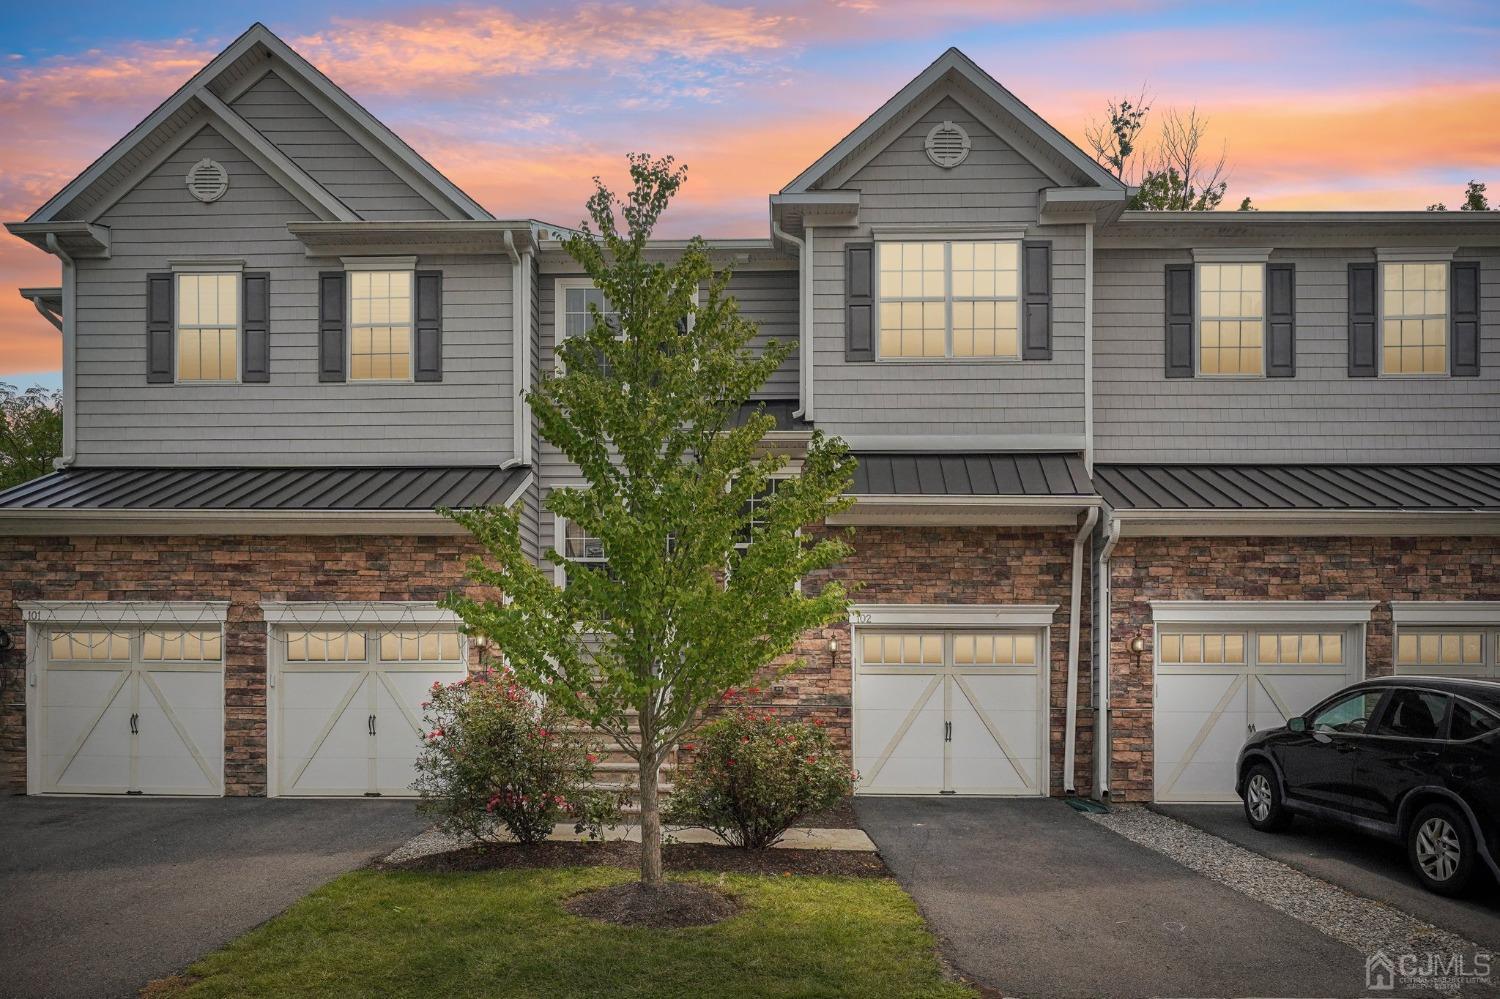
x: 1414, y: 318
x: 577, y: 299
x: 208, y: 327
x: 1231, y: 319
x: 948, y: 299
x: 380, y: 325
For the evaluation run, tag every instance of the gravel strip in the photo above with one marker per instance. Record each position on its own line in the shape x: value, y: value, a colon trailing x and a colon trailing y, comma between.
x: 426, y: 844
x: 1366, y: 925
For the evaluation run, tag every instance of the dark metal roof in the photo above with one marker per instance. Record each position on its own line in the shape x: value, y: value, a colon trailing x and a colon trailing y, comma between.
x: 1300, y: 487
x: 290, y: 489
x: 984, y: 474
x: 780, y: 410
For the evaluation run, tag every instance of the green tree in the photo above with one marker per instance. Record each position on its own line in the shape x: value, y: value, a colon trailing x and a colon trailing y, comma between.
x: 1176, y: 173
x: 1475, y: 200
x: 30, y: 433
x: 645, y: 405
x: 1246, y: 206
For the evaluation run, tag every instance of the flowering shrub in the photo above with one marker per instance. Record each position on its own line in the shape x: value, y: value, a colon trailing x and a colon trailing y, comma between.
x: 755, y: 775
x: 494, y: 757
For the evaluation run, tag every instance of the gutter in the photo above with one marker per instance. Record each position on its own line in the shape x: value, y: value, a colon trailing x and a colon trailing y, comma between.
x: 1102, y: 741
x: 1312, y: 523
x: 69, y: 328
x: 804, y: 320
x: 1070, y: 736
x: 520, y: 301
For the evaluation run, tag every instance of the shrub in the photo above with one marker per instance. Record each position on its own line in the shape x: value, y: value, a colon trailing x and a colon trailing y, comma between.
x: 755, y: 775
x: 493, y: 756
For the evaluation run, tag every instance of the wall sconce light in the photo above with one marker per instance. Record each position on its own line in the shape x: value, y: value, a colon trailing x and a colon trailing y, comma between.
x: 1137, y: 646
x: 5, y: 640
x: 482, y: 642
x: 833, y: 646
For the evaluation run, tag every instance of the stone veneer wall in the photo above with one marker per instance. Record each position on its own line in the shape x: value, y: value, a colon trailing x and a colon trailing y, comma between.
x: 890, y: 565
x: 948, y: 565
x: 1348, y: 568
x: 241, y: 570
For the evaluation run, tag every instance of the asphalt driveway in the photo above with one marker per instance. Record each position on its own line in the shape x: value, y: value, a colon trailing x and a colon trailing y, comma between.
x: 1032, y: 899
x: 100, y: 895
x: 1361, y: 864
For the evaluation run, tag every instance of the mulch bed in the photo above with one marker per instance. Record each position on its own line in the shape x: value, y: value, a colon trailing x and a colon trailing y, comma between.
x: 840, y: 816
x: 675, y: 857
x: 673, y: 904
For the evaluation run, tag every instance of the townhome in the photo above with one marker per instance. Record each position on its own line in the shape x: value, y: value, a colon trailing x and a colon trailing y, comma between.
x: 1129, y: 485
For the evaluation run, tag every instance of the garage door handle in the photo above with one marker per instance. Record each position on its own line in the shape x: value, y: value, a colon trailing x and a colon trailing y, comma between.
x: 947, y: 731
x: 134, y: 730
x: 372, y: 724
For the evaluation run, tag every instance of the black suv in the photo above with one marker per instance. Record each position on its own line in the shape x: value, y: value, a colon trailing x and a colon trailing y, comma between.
x: 1415, y: 759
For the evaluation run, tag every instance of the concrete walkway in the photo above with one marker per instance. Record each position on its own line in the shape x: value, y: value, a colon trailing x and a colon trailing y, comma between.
x: 1032, y: 899
x: 98, y: 896
x: 433, y: 841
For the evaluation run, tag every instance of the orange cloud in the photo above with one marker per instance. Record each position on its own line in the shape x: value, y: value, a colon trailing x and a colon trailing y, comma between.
x: 133, y: 74
x: 464, y: 49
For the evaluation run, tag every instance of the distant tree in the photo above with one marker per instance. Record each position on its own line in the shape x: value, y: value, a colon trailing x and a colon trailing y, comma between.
x: 1475, y: 200
x: 30, y: 433
x: 1246, y: 206
x: 1177, y: 174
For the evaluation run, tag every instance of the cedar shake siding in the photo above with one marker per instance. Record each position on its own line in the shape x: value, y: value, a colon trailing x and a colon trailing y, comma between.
x: 1229, y: 569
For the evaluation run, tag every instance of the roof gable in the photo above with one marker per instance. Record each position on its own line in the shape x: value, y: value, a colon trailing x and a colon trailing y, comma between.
x: 954, y: 74
x: 213, y: 89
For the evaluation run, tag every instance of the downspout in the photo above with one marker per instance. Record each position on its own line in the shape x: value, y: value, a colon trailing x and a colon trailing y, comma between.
x: 70, y: 367
x: 1075, y: 627
x: 520, y: 324
x: 804, y: 322
x: 1088, y: 347
x: 1102, y: 742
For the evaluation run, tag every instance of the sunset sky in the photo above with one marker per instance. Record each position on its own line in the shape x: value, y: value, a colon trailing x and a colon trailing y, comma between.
x: 1375, y: 104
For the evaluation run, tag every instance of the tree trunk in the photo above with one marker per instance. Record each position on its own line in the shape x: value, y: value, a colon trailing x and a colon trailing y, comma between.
x: 650, y: 822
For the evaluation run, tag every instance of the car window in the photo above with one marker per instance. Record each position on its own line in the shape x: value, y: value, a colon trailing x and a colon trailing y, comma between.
x: 1351, y: 715
x: 1414, y: 714
x: 1470, y: 722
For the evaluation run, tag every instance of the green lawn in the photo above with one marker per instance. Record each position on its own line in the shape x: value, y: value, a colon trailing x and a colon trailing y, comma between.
x: 502, y: 933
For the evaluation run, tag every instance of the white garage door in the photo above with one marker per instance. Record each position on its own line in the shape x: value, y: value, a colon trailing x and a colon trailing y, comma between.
x: 131, y: 711
x: 1445, y: 651
x: 1216, y: 685
x: 951, y: 712
x: 348, y: 706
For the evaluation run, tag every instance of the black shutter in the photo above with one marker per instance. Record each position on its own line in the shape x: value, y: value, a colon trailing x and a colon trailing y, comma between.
x: 428, y: 327
x: 159, y: 336
x: 1281, y: 320
x: 1465, y: 328
x: 1179, y: 306
x: 256, y: 356
x: 1362, y: 338
x: 1036, y: 302
x: 859, y: 301
x: 331, y: 330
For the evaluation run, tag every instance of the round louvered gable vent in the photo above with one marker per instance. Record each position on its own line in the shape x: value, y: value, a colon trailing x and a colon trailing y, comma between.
x: 208, y: 180
x: 947, y: 145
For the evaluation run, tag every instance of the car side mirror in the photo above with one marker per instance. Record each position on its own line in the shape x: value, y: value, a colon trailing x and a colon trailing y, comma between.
x: 1297, y: 724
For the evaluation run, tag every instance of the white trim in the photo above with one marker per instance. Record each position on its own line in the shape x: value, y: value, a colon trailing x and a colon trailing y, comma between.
x: 408, y: 263
x: 955, y: 616
x: 961, y: 232
x: 355, y: 613
x: 1261, y: 611
x: 135, y: 612
x: 1451, y: 612
x: 206, y: 265
x: 1307, y: 523
x: 955, y: 61
x: 1415, y: 254
x: 1088, y: 345
x: 1232, y: 254
x: 964, y: 442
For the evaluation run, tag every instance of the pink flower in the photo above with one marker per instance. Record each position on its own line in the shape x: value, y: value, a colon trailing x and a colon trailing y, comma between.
x: 592, y: 758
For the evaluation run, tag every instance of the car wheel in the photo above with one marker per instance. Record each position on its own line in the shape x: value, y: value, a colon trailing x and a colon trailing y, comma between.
x: 1264, y: 808
x: 1440, y: 845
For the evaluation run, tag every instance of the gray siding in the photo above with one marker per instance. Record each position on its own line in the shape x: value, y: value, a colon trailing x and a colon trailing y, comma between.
x: 329, y: 154
x: 994, y: 185
x: 1320, y: 415
x: 122, y: 420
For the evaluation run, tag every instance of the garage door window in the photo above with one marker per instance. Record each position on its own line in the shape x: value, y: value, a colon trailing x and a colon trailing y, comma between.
x: 196, y: 646
x: 904, y: 650
x: 90, y: 646
x: 325, y: 646
x: 1283, y: 649
x: 420, y: 647
x: 1224, y: 648
x: 1440, y: 648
